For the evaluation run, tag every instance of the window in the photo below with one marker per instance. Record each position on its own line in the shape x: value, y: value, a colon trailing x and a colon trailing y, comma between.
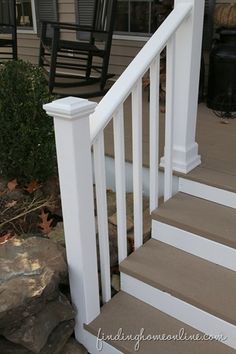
x: 25, y: 14
x: 141, y: 17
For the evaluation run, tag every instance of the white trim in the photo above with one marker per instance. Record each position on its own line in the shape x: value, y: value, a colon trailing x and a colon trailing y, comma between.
x: 210, y: 193
x: 34, y: 30
x: 182, y: 311
x: 184, y: 160
x: 34, y: 15
x: 195, y: 244
x: 25, y: 31
x: 128, y: 37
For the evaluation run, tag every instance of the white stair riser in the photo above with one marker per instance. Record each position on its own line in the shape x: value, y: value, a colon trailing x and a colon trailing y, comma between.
x: 182, y: 311
x: 195, y: 244
x: 90, y: 343
x: 210, y: 193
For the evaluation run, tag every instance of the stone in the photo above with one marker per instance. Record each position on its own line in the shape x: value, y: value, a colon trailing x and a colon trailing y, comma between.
x: 111, y: 202
x: 58, y: 338
x: 73, y: 347
x: 115, y: 282
x: 147, y: 222
x: 129, y: 221
x: 31, y: 270
x: 35, y: 330
x: 54, y: 345
x: 6, y: 347
x: 57, y: 234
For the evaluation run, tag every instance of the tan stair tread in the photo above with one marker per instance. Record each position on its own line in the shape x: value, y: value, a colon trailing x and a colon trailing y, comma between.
x: 196, y: 281
x: 131, y: 315
x: 210, y: 220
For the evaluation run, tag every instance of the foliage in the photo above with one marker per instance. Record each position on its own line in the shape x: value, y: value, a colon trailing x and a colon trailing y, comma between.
x: 27, y: 147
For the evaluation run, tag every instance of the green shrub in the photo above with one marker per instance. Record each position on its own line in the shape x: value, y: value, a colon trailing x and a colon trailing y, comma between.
x: 27, y: 146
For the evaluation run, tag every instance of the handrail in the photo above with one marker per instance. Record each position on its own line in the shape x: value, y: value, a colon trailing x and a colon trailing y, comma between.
x: 123, y: 86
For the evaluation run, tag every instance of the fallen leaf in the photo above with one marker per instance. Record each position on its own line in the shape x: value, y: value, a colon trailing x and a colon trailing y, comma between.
x: 11, y: 204
x: 45, y: 225
x: 6, y: 237
x: 12, y: 185
x: 32, y: 186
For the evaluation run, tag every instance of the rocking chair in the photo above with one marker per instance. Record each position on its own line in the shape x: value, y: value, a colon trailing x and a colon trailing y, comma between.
x: 8, y: 37
x: 81, y: 59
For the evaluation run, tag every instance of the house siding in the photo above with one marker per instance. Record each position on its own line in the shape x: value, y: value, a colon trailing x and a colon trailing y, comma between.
x: 122, y: 52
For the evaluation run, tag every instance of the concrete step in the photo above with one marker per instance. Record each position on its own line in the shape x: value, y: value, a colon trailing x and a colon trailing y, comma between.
x: 201, y: 217
x: 126, y: 315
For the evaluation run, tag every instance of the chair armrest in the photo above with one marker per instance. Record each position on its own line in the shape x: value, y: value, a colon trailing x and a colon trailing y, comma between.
x: 71, y: 26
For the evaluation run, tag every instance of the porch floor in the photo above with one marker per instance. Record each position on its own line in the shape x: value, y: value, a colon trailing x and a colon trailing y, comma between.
x: 217, y: 145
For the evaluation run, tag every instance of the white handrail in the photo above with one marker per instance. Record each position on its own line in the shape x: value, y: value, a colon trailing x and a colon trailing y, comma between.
x: 141, y: 63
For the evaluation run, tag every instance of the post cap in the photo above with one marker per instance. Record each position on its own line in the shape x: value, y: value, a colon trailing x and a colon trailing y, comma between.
x: 70, y: 108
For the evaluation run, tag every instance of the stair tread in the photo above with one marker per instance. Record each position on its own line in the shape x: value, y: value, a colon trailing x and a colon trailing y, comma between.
x: 203, y: 284
x: 131, y: 315
x: 198, y: 216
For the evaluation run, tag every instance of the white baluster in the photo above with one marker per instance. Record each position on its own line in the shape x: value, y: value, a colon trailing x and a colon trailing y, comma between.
x: 137, y: 163
x: 119, y: 146
x: 102, y: 216
x: 168, y: 176
x: 154, y: 132
x: 71, y: 119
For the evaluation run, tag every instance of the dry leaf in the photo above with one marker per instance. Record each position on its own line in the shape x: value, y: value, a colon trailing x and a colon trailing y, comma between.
x: 45, y: 225
x: 11, y: 204
x: 6, y: 237
x: 32, y: 186
x: 12, y: 185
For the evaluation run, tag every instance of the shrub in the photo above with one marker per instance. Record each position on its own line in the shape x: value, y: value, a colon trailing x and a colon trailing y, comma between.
x: 27, y: 146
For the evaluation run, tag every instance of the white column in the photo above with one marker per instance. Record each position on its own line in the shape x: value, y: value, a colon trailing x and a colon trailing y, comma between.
x: 187, y: 73
x: 71, y: 121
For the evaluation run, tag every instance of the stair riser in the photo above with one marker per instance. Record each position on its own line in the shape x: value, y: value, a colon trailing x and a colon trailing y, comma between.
x: 210, y: 193
x: 195, y: 244
x: 90, y: 343
x: 192, y: 316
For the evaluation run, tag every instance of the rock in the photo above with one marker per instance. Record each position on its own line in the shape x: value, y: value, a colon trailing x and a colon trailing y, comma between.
x: 115, y: 282
x: 73, y: 347
x: 147, y: 222
x: 57, y: 234
x: 7, y: 347
x: 58, y: 338
x: 111, y: 202
x: 129, y: 204
x: 31, y: 270
x: 35, y: 330
x: 54, y: 345
x: 129, y: 221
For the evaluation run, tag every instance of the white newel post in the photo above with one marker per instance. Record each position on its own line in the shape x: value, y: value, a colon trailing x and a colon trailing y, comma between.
x: 187, y: 73
x: 71, y: 121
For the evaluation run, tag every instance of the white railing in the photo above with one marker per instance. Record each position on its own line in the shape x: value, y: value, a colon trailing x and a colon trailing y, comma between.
x: 76, y: 134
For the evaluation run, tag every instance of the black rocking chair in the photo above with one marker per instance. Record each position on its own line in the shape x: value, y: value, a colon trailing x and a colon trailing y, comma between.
x: 8, y: 36
x: 81, y: 59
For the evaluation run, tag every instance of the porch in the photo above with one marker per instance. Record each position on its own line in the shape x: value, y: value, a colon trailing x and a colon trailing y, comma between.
x: 215, y: 138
